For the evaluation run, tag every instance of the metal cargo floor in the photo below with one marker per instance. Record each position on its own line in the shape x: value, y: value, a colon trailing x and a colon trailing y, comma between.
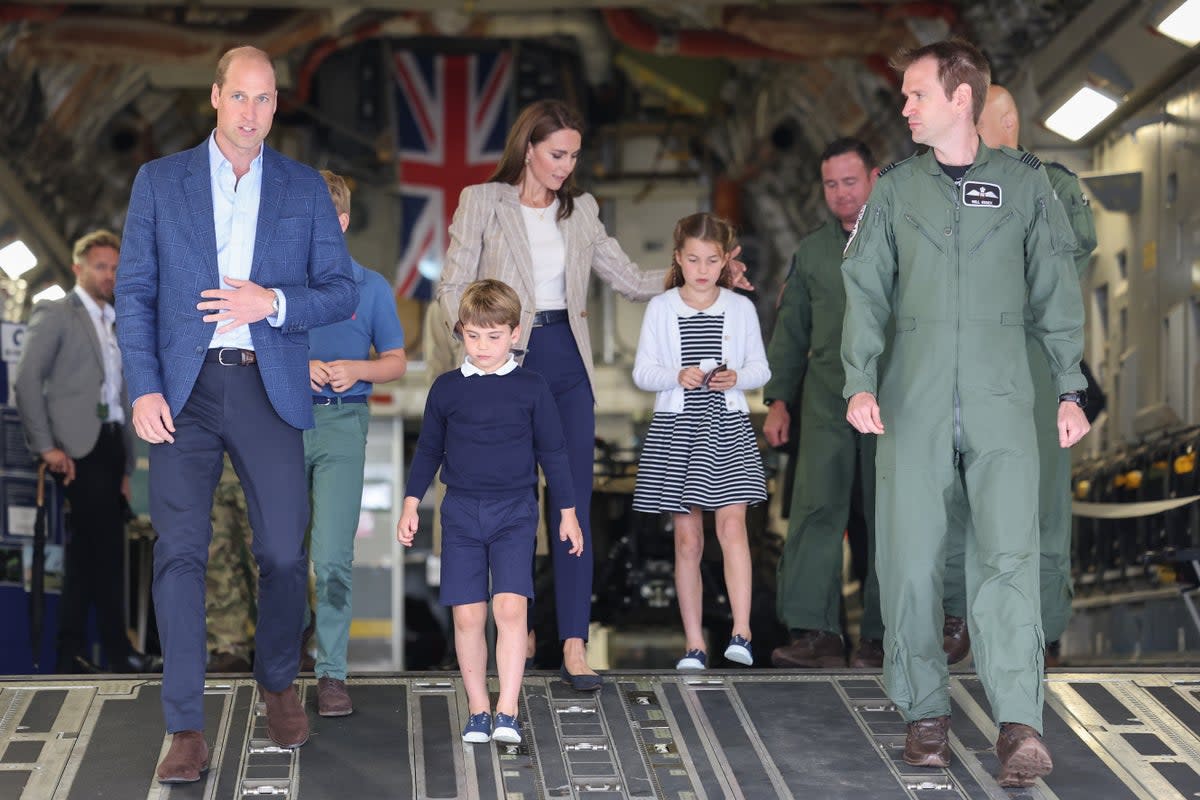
x: 747, y: 734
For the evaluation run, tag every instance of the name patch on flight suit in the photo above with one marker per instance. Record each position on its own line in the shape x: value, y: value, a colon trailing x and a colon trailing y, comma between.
x: 978, y: 193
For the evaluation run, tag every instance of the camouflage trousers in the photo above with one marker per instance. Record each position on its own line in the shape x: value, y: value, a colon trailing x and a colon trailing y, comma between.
x: 230, y: 600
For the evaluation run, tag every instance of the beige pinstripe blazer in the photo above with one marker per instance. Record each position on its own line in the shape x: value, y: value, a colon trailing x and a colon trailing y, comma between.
x: 488, y: 240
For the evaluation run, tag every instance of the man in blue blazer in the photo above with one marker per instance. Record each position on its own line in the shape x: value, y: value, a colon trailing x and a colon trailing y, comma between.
x: 232, y: 252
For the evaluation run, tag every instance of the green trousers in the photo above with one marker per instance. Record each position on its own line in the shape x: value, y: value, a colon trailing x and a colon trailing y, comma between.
x: 1054, y: 513
x: 334, y: 455
x: 920, y: 484
x: 809, y: 591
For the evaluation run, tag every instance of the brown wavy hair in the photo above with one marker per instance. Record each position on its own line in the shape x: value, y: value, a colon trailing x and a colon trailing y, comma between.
x: 535, y: 122
x: 707, y: 228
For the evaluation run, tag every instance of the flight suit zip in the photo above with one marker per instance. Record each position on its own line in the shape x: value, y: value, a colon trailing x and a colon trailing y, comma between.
x: 991, y: 231
x: 912, y: 221
x: 957, y: 432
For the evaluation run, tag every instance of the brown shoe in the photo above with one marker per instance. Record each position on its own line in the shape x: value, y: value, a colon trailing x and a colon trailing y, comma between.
x: 186, y: 760
x: 869, y: 654
x: 1023, y: 755
x: 307, y: 662
x: 812, y: 650
x: 1053, y: 655
x: 332, y: 698
x: 287, y: 724
x: 928, y: 743
x: 227, y: 662
x: 956, y: 639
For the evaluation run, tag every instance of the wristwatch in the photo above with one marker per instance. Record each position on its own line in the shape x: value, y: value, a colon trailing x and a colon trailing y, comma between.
x: 274, y: 305
x: 1078, y: 397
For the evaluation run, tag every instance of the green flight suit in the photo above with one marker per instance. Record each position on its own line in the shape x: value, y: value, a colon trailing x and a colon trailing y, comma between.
x: 1054, y: 485
x: 957, y: 264
x: 805, y: 358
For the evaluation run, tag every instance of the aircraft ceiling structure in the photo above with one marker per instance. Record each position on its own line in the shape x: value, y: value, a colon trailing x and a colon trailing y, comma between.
x: 90, y: 91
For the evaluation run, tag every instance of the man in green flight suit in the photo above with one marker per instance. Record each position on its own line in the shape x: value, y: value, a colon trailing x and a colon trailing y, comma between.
x: 1000, y: 126
x: 806, y: 364
x: 966, y: 247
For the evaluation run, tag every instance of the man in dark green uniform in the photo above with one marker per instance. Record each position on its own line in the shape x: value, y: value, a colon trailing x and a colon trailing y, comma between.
x: 1000, y: 126
x: 965, y: 247
x: 806, y: 363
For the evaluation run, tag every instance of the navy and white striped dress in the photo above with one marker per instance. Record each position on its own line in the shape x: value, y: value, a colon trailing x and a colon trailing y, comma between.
x: 705, y: 457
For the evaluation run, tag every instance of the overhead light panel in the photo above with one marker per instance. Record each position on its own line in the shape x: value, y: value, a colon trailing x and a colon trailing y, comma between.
x: 1086, y: 109
x: 1183, y: 24
x: 54, y: 292
x: 16, y: 259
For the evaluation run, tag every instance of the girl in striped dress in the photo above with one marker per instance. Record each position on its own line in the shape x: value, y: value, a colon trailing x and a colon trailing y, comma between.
x: 700, y: 349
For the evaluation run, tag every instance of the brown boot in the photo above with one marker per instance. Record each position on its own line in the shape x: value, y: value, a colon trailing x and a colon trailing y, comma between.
x: 287, y: 724
x: 332, y: 698
x: 307, y: 662
x: 812, y: 650
x: 1023, y: 755
x: 227, y: 662
x: 956, y: 639
x: 1053, y: 655
x: 869, y: 654
x: 928, y: 743
x: 186, y: 760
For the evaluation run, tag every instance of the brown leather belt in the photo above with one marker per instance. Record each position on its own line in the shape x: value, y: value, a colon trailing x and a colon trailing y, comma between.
x: 230, y: 357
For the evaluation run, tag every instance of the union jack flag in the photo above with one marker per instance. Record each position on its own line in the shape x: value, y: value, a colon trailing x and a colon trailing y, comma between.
x: 453, y: 115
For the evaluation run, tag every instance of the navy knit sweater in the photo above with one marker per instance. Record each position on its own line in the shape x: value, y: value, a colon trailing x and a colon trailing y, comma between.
x: 488, y: 433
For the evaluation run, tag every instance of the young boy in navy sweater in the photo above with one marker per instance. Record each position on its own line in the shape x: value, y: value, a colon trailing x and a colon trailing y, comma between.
x: 488, y: 425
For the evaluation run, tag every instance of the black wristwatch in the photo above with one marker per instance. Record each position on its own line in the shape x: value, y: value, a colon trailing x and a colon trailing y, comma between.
x: 1078, y: 397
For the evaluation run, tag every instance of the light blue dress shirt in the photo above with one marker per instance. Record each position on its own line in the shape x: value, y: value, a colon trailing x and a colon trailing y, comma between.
x: 235, y: 220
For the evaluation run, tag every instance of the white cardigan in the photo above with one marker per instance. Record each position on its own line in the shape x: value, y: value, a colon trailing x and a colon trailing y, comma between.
x: 658, y: 362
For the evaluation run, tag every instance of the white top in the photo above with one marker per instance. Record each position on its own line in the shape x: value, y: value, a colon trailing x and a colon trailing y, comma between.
x: 548, y: 252
x: 103, y: 318
x: 468, y: 369
x: 659, y: 357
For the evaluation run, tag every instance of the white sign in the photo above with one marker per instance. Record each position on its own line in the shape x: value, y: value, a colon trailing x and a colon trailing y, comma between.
x: 12, y: 341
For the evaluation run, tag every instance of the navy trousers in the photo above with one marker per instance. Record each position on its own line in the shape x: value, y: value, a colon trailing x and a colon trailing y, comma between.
x: 94, y: 559
x: 228, y: 410
x: 552, y: 353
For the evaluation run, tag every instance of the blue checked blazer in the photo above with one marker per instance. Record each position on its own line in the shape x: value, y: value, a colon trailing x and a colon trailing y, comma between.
x: 169, y: 256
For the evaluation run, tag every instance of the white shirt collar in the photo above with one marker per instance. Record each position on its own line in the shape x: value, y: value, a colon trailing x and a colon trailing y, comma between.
x: 684, y: 310
x: 468, y: 369
x: 105, y: 312
x: 217, y: 159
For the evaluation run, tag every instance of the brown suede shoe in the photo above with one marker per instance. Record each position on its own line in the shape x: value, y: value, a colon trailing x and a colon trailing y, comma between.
x: 812, y: 650
x: 287, y: 724
x: 332, y: 698
x: 928, y: 743
x: 956, y: 639
x: 307, y: 662
x: 869, y: 654
x: 1053, y: 655
x: 227, y: 662
x: 186, y: 760
x: 1023, y: 755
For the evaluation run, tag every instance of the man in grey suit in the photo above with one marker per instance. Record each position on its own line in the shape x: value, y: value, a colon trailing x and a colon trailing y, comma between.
x: 75, y: 412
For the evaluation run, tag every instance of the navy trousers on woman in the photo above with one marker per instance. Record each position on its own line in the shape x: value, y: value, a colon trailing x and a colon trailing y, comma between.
x: 552, y: 353
x: 228, y: 410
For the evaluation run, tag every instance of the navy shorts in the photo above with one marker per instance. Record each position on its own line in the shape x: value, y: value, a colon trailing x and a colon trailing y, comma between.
x: 482, y: 535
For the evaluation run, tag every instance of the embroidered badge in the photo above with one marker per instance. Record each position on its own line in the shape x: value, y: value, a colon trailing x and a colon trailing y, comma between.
x: 854, y: 231
x: 978, y: 193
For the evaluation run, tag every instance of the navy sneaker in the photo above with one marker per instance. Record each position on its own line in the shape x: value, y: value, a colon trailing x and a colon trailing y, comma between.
x: 739, y: 651
x: 479, y: 727
x: 693, y: 659
x: 507, y: 730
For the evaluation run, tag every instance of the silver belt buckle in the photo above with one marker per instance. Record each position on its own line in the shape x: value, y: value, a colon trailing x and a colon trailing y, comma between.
x: 221, y: 357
